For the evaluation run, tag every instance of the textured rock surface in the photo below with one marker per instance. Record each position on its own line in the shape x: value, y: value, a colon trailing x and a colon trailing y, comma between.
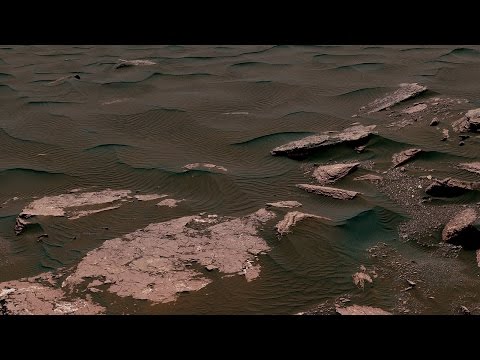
x: 369, y: 177
x: 459, y: 230
x: 291, y: 219
x: 284, y: 204
x: 152, y: 263
x: 329, y: 191
x: 361, y: 310
x: 306, y: 145
x: 405, y: 92
x: 149, y: 197
x: 472, y: 167
x: 404, y: 156
x: 169, y: 203
x: 38, y: 296
x: 450, y: 187
x: 127, y: 63
x: 469, y: 122
x: 328, y: 174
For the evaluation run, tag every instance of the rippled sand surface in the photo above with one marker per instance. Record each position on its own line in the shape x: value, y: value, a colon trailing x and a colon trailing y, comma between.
x: 197, y: 124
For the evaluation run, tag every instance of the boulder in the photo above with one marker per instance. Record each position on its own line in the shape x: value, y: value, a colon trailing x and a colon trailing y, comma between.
x: 450, y: 187
x: 469, y: 122
x: 460, y: 230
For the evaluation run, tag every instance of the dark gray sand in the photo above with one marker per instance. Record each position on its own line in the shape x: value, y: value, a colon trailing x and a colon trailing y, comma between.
x: 239, y: 179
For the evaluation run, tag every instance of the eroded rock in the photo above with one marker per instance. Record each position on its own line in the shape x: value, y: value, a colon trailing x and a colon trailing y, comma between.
x: 38, y: 296
x: 328, y: 174
x: 404, y: 156
x: 460, y: 230
x: 361, y: 310
x: 72, y: 205
x: 128, y: 63
x: 415, y: 108
x: 291, y: 218
x: 151, y: 263
x: 304, y: 146
x: 450, y: 187
x: 205, y: 166
x: 284, y: 204
x: 469, y: 122
x: 149, y: 197
x: 473, y: 167
x: 329, y: 191
x: 171, y: 203
x: 405, y: 92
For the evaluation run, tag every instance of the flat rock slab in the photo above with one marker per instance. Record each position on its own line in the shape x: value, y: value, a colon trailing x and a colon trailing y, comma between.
x: 128, y: 63
x: 415, y: 108
x: 149, y: 197
x: 328, y: 174
x: 361, y: 310
x: 404, y: 156
x: 405, y: 92
x: 171, y: 203
x: 460, y: 230
x: 329, y: 191
x: 284, y: 204
x: 38, y: 296
x: 205, y: 166
x: 469, y: 122
x: 450, y: 187
x: 290, y: 220
x: 473, y: 167
x: 308, y: 144
x: 153, y: 263
x: 73, y: 205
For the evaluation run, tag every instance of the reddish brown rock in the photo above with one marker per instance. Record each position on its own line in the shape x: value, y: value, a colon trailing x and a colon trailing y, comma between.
x: 450, y: 187
x: 328, y: 174
x: 361, y: 310
x: 329, y: 191
x: 206, y: 166
x: 284, y: 204
x: 306, y: 145
x: 405, y: 92
x: 469, y: 122
x: 151, y: 263
x: 39, y: 296
x: 291, y: 219
x: 460, y: 230
x: 128, y: 63
x: 404, y: 156
x: 472, y: 167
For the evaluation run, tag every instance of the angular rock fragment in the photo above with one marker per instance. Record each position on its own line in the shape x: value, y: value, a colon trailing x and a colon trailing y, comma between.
x: 291, y: 219
x: 149, y: 197
x: 445, y: 135
x: 415, y: 108
x: 329, y: 191
x: 450, y: 187
x: 171, y: 203
x: 328, y: 174
x: 404, y: 156
x: 405, y: 92
x: 306, y: 145
x: 460, y: 230
x: 469, y: 122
